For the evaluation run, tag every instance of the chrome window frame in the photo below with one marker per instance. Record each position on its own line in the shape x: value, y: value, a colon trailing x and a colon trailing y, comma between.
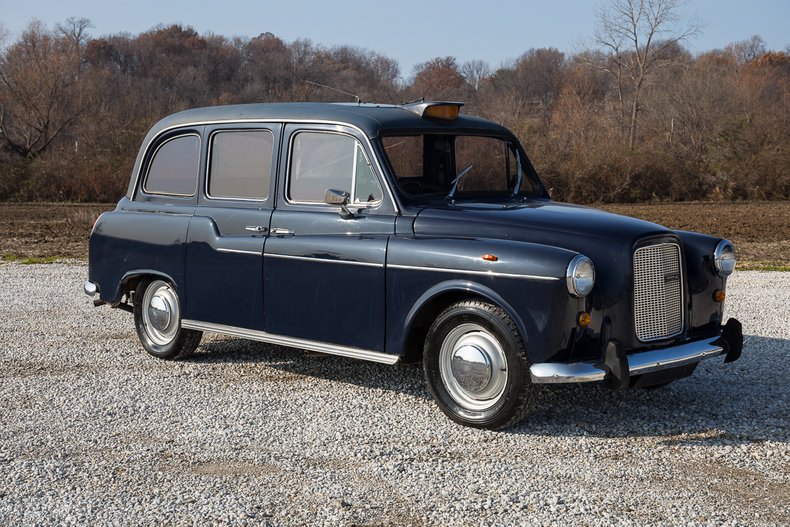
x: 210, y: 145
x: 287, y: 184
x: 386, y: 184
x: 153, y: 156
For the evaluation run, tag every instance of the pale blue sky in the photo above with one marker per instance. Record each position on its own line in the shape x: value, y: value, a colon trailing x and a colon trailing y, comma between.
x: 409, y: 31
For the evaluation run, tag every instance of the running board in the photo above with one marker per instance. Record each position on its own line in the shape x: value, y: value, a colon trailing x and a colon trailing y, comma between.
x: 311, y: 345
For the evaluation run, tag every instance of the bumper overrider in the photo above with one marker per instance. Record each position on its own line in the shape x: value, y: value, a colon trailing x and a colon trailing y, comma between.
x: 618, y: 366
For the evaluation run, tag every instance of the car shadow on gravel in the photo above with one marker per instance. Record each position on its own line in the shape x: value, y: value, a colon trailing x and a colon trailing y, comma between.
x: 726, y: 404
x: 401, y: 378
x: 742, y: 402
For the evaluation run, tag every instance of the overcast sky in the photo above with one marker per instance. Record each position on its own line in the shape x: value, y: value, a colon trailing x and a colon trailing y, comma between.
x: 409, y: 31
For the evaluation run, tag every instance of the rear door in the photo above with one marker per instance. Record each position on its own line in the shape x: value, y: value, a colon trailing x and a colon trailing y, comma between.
x: 324, y: 273
x: 224, y: 259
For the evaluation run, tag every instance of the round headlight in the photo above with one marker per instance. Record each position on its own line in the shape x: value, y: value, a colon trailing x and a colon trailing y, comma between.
x: 580, y: 276
x: 724, y: 258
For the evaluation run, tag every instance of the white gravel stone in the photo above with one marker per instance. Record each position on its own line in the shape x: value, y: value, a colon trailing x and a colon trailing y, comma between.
x: 95, y: 431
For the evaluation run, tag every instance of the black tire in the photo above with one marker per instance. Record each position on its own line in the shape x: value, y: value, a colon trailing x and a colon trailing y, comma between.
x: 159, y: 330
x: 476, y: 366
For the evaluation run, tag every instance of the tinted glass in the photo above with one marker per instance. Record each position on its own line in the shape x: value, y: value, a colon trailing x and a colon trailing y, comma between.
x: 241, y: 164
x: 174, y: 168
x: 430, y: 163
x: 320, y: 161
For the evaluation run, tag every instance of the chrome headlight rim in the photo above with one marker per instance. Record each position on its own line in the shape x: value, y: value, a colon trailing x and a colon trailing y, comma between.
x: 574, y: 288
x: 723, y: 248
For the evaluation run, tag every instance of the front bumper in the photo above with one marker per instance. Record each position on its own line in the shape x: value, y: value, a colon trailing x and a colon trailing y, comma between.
x: 619, y: 366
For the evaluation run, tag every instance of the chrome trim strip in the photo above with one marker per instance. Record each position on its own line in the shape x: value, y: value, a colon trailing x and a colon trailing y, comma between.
x: 325, y: 260
x: 237, y: 251
x: 265, y: 121
x: 469, y: 271
x: 311, y: 345
x: 638, y: 363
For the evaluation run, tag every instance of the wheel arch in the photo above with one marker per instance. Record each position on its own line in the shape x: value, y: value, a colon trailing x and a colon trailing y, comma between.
x: 439, y: 297
x: 131, y: 279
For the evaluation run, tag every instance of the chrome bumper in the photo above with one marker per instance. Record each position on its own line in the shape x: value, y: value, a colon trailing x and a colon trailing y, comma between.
x: 638, y: 363
x: 90, y: 288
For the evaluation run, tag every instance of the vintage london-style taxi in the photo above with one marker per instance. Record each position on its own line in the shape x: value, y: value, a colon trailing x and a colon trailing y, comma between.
x: 402, y: 232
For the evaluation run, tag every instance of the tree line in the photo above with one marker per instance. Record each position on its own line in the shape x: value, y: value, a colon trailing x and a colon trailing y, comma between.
x: 624, y: 120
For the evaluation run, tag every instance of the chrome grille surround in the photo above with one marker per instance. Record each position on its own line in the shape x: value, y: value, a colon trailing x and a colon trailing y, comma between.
x: 658, y: 292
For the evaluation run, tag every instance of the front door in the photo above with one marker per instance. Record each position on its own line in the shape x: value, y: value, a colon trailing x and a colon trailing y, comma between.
x: 226, y: 236
x: 324, y: 270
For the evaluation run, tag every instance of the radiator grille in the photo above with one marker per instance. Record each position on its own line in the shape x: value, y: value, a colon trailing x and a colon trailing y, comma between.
x: 658, y: 292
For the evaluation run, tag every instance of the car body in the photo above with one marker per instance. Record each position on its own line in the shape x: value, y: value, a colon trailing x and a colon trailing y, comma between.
x: 402, y: 232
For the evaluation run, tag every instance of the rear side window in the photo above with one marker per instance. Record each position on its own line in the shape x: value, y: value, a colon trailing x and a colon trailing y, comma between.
x: 241, y: 164
x: 174, y: 167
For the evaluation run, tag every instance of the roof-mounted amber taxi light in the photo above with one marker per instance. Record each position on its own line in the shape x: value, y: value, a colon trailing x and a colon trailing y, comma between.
x: 436, y: 109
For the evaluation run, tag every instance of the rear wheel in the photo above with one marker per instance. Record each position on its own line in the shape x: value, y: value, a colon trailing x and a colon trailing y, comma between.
x: 157, y: 317
x: 476, y: 366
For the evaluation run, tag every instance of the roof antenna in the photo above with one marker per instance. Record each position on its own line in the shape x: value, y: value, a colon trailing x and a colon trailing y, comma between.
x: 335, y: 89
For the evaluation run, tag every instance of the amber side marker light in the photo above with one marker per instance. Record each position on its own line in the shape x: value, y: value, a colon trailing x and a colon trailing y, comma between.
x: 490, y: 258
x: 584, y: 319
x: 719, y: 296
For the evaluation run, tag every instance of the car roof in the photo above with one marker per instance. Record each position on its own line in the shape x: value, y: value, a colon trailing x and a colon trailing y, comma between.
x: 373, y: 119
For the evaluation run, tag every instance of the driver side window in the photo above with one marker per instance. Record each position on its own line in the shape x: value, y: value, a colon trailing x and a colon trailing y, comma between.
x: 324, y: 160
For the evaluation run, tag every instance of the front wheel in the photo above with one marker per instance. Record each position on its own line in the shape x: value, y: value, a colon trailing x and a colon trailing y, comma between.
x: 476, y: 366
x: 157, y: 317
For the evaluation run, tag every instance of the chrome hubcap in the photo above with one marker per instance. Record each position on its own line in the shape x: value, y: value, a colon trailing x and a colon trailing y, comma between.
x: 160, y: 313
x: 473, y: 367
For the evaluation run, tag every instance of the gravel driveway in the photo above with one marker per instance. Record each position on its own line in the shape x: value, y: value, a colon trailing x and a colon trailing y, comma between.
x: 94, y: 431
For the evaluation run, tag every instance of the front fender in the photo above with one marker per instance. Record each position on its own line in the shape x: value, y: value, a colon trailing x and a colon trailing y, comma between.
x: 525, y: 279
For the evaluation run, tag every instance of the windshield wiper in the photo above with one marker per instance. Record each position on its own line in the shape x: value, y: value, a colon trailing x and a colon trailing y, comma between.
x: 451, y: 196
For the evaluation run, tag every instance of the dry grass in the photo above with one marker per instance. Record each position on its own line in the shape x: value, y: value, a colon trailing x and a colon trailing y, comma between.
x: 41, y: 233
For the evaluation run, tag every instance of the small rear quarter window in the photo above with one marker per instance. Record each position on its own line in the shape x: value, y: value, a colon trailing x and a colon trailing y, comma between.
x: 174, y: 167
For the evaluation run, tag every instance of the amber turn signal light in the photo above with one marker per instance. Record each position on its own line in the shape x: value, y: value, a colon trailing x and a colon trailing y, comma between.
x: 490, y: 257
x: 584, y: 319
x: 719, y: 296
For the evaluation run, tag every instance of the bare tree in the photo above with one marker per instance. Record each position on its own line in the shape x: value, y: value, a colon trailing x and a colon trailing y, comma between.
x: 475, y: 72
x: 640, y: 36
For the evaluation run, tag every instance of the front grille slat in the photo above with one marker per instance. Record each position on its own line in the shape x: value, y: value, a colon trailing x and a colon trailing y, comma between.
x: 658, y: 292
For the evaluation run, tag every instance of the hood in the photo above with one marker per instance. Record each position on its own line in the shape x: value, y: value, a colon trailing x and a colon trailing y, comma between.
x: 608, y: 239
x: 559, y: 224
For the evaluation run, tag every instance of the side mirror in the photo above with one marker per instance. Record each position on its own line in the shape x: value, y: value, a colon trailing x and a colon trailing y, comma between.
x: 339, y: 197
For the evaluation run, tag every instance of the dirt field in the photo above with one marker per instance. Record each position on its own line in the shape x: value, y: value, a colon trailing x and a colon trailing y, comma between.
x: 760, y: 230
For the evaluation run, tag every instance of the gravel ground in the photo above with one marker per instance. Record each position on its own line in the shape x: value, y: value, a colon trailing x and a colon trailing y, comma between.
x: 94, y: 431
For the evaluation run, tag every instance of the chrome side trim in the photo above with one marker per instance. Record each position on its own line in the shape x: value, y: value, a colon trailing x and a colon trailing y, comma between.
x: 324, y: 260
x: 237, y: 251
x: 638, y: 363
x: 470, y: 271
x: 311, y: 345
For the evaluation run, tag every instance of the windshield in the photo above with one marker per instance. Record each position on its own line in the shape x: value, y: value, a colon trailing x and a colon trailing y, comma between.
x: 458, y: 165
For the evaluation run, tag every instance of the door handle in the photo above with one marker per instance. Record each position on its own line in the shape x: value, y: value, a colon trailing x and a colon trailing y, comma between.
x: 255, y: 228
x: 281, y: 230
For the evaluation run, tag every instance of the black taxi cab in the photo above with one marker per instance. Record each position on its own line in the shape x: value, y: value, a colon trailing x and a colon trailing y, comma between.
x: 398, y: 233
